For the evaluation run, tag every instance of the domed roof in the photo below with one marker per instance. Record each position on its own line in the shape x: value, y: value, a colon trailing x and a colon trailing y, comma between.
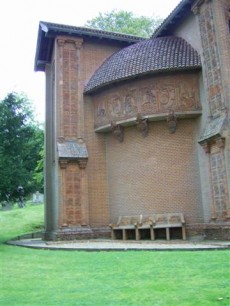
x: 148, y: 56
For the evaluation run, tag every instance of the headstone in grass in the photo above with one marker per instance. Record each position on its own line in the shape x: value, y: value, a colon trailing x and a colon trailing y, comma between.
x: 20, y: 193
x: 6, y: 205
x: 38, y: 198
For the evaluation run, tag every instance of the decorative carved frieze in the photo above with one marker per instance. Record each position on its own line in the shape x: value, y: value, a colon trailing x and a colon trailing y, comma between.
x: 130, y: 107
x: 147, y: 97
x: 118, y: 131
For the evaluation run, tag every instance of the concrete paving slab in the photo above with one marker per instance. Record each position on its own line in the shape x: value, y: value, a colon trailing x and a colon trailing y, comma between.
x: 119, y: 245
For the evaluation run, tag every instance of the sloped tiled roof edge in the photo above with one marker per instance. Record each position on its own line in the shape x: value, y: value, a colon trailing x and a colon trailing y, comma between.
x: 174, y: 18
x: 72, y: 30
x: 48, y: 31
x: 156, y: 55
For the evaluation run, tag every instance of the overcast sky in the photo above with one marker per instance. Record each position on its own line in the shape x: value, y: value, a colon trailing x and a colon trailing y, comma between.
x: 19, y: 21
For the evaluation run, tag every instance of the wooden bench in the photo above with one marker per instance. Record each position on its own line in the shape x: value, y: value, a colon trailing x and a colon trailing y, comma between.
x: 124, y: 225
x: 147, y: 222
x: 169, y: 221
x: 151, y: 223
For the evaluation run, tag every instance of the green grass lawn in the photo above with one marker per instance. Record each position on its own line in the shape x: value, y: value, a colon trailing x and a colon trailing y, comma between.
x: 140, y: 278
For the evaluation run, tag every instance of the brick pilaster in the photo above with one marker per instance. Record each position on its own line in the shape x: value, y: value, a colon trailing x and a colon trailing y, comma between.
x: 73, y: 182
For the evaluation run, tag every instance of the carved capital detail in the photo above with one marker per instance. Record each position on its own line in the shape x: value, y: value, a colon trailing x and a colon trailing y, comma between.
x: 220, y: 142
x: 206, y: 146
x: 172, y: 122
x: 142, y: 125
x: 82, y: 163
x: 118, y: 131
x: 63, y: 163
x: 60, y: 42
x: 78, y: 44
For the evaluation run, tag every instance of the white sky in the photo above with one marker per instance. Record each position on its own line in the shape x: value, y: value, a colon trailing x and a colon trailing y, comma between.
x: 19, y: 21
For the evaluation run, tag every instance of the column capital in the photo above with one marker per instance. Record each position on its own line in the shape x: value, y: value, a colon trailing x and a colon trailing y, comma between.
x: 78, y: 43
x: 82, y: 162
x: 220, y: 141
x: 206, y: 146
x: 60, y: 42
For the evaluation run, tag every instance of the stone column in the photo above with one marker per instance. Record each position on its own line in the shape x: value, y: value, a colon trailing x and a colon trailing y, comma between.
x: 51, y: 203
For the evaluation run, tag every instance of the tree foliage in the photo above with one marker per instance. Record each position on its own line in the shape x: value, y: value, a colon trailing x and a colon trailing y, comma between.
x: 21, y: 140
x: 125, y: 22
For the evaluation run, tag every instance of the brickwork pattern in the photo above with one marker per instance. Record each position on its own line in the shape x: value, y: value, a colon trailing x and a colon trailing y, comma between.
x: 97, y: 172
x: 211, y: 58
x: 155, y: 174
x: 75, y: 63
x: 92, y: 56
x: 221, y: 209
x: 214, y: 26
x: 68, y: 109
x: 221, y: 10
x: 71, y: 194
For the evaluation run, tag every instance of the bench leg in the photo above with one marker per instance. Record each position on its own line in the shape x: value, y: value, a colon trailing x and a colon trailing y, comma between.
x: 183, y: 233
x: 124, y: 236
x: 167, y: 234
x: 137, y: 233
x: 152, y: 233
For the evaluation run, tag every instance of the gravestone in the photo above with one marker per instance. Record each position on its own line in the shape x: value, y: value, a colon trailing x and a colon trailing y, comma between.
x: 6, y: 205
x: 38, y: 197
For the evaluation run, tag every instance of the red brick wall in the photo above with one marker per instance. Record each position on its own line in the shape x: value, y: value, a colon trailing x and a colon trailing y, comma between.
x: 155, y: 174
x: 92, y: 56
x: 71, y: 214
x: 96, y: 169
x: 75, y: 62
x: 158, y: 173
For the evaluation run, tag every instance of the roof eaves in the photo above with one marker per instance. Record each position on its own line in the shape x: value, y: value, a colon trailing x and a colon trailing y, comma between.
x: 54, y: 29
x: 42, y: 58
x: 173, y: 17
x: 48, y: 31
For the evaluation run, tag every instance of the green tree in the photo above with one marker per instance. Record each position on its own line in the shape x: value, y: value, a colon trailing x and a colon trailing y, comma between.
x: 21, y: 140
x: 125, y: 22
x: 39, y: 170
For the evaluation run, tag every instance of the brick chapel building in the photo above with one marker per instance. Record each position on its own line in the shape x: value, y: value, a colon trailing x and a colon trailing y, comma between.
x: 138, y: 126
